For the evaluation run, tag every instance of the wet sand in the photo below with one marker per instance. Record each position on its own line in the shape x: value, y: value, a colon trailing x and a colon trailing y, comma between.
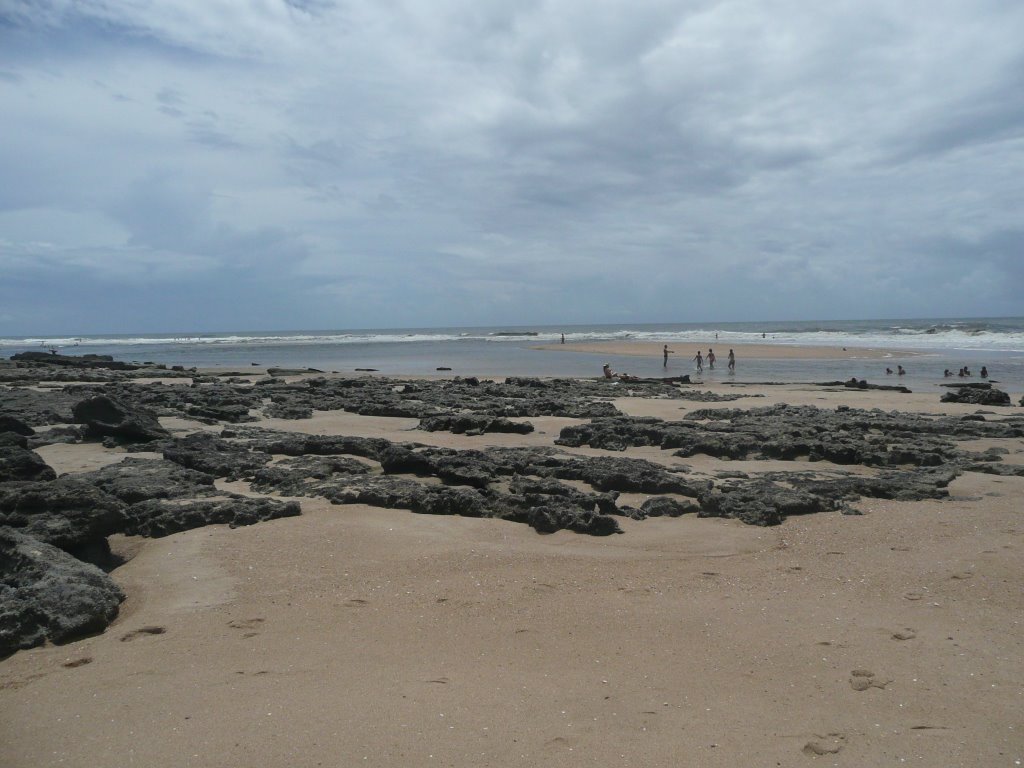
x: 362, y: 636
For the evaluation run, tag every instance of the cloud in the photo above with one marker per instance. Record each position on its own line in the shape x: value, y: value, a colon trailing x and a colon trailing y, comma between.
x: 447, y: 162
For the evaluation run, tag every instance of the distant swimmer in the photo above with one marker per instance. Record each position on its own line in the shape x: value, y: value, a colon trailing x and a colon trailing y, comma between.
x: 700, y: 360
x: 563, y: 338
x: 732, y: 360
x: 665, y: 352
x: 984, y: 372
x: 888, y: 371
x: 711, y: 359
x: 900, y: 371
x: 947, y: 373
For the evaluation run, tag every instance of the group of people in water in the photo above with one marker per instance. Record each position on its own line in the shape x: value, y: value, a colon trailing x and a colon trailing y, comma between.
x: 965, y: 371
x: 699, y: 359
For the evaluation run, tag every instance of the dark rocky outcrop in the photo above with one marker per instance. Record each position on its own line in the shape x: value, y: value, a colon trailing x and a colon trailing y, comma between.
x: 611, y: 473
x: 976, y: 394
x: 133, y: 480
x: 299, y: 444
x: 17, y: 462
x: 106, y: 417
x: 162, y: 517
x: 291, y: 477
x: 855, y: 383
x: 473, y: 424
x: 842, y: 436
x: 666, y: 506
x: 215, y: 456
x: 48, y: 595
x: 74, y: 361
x: 9, y: 423
x: 69, y: 513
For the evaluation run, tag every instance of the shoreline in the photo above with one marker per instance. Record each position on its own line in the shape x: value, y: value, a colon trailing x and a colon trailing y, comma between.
x: 742, y: 351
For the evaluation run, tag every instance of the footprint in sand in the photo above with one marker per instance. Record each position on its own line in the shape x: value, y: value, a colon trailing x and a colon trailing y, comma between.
x: 560, y: 743
x: 862, y: 679
x: 830, y: 744
x: 904, y: 634
x: 72, y: 663
x: 142, y: 632
x: 250, y: 624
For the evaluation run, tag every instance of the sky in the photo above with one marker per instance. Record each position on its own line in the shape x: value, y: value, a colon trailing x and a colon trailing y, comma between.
x: 203, y: 165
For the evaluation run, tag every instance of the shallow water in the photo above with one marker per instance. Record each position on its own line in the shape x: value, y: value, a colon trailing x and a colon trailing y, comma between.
x: 938, y: 344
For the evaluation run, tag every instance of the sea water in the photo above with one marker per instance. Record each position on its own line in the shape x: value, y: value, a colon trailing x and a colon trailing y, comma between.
x: 924, y: 347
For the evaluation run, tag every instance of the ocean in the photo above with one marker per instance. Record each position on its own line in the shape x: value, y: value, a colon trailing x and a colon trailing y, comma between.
x: 925, y: 347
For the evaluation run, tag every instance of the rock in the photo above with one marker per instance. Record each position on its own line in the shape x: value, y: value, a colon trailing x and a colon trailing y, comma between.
x: 214, y: 456
x: 74, y: 361
x: 105, y: 417
x: 711, y: 397
x: 978, y: 395
x: 17, y: 462
x: 665, y: 506
x: 291, y: 371
x: 69, y: 434
x: 848, y: 436
x: 69, y: 513
x: 288, y: 411
x: 37, y: 408
x: 465, y: 423
x: 233, y: 413
x: 610, y: 473
x: 534, y: 489
x: 9, y: 423
x: 291, y: 477
x: 162, y: 517
x: 549, y: 518
x: 48, y: 595
x: 299, y: 444
x: 854, y: 383
x: 133, y: 480
x: 759, y: 502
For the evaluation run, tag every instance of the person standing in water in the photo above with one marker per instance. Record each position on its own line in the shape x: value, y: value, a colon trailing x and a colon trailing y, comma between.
x: 700, y: 360
x: 732, y: 360
x: 665, y: 353
x: 711, y: 359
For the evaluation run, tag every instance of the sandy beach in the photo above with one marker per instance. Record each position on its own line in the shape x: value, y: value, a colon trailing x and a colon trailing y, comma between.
x: 356, y: 635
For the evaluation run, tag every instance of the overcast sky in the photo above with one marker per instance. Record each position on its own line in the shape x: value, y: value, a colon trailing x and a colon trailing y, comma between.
x: 174, y: 165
